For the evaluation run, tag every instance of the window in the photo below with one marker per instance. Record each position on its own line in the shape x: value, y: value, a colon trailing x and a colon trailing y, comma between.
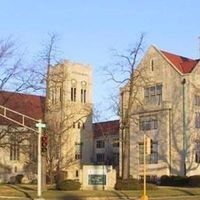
x: 77, y: 173
x: 153, y: 94
x: 79, y: 125
x: 78, y: 156
x: 83, y: 96
x: 74, y: 125
x: 149, y: 122
x: 197, y: 119
x: 78, y: 151
x: 83, y: 91
x: 152, y: 64
x: 197, y: 100
x: 153, y: 157
x: 33, y: 148
x: 115, y: 142
x: 116, y: 159
x: 14, y: 148
x: 56, y: 94
x: 100, y: 144
x: 73, y: 94
x: 100, y: 157
x: 15, y: 169
x: 197, y: 153
x: 53, y: 95
x: 61, y: 94
x: 73, y: 90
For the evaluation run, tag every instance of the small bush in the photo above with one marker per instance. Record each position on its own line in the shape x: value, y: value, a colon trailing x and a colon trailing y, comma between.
x: 194, y: 181
x: 131, y: 184
x: 18, y: 179
x: 69, y: 185
x: 174, y: 180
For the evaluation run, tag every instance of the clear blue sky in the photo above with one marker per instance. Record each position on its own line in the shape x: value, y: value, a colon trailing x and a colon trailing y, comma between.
x: 89, y: 29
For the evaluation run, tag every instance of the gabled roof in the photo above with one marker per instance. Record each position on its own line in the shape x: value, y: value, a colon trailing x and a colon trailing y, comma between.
x: 106, y: 128
x: 30, y: 105
x: 182, y: 64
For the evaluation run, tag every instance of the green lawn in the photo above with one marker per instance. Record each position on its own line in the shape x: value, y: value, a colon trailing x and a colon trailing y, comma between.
x: 165, y: 193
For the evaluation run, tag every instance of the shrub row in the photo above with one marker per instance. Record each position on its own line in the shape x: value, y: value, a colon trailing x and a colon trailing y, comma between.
x: 192, y: 181
x: 179, y: 181
x: 132, y: 184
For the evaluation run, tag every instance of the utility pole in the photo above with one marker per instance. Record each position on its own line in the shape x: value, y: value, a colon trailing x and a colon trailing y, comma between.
x: 184, y: 128
x: 40, y: 126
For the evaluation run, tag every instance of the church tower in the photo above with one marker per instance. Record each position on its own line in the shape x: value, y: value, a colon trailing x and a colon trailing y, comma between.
x: 69, y: 117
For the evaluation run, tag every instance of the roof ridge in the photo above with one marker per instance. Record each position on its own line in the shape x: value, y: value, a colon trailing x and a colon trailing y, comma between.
x: 109, y: 121
x: 163, y: 51
x: 181, y: 63
x: 25, y: 94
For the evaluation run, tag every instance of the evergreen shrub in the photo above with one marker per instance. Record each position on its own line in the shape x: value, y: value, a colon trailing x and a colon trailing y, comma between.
x: 174, y: 181
x: 194, y: 181
x: 68, y: 185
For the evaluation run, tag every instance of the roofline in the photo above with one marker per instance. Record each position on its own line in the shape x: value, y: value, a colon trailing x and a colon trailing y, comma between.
x: 106, y: 121
x: 159, y: 51
x: 25, y: 94
x: 198, y: 62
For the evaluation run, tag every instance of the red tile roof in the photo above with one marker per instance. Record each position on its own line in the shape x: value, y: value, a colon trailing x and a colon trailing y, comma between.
x: 182, y: 64
x: 30, y: 105
x: 106, y: 128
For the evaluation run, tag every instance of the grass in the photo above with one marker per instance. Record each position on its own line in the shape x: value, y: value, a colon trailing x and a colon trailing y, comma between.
x: 165, y: 193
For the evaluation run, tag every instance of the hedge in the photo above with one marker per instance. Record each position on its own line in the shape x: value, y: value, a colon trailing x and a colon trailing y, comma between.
x: 181, y: 181
x: 131, y: 184
x: 194, y: 181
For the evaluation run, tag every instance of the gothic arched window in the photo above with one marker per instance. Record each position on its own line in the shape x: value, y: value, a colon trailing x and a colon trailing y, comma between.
x: 73, y: 90
x: 83, y: 91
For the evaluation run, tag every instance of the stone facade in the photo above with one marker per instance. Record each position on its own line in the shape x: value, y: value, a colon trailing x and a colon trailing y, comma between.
x: 18, y: 154
x: 167, y: 111
x: 106, y: 143
x: 69, y: 115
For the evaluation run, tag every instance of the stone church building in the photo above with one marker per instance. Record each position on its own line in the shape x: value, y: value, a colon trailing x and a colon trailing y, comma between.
x: 166, y: 107
x: 167, y: 110
x: 67, y: 112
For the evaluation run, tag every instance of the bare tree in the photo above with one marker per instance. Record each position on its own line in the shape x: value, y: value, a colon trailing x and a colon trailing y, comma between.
x: 127, y: 74
x: 59, y: 120
x: 12, y: 77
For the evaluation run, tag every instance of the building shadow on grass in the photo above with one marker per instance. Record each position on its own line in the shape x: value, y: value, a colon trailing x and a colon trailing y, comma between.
x: 185, y: 191
x: 71, y: 198
x: 121, y: 195
x: 116, y: 195
x: 22, y: 190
